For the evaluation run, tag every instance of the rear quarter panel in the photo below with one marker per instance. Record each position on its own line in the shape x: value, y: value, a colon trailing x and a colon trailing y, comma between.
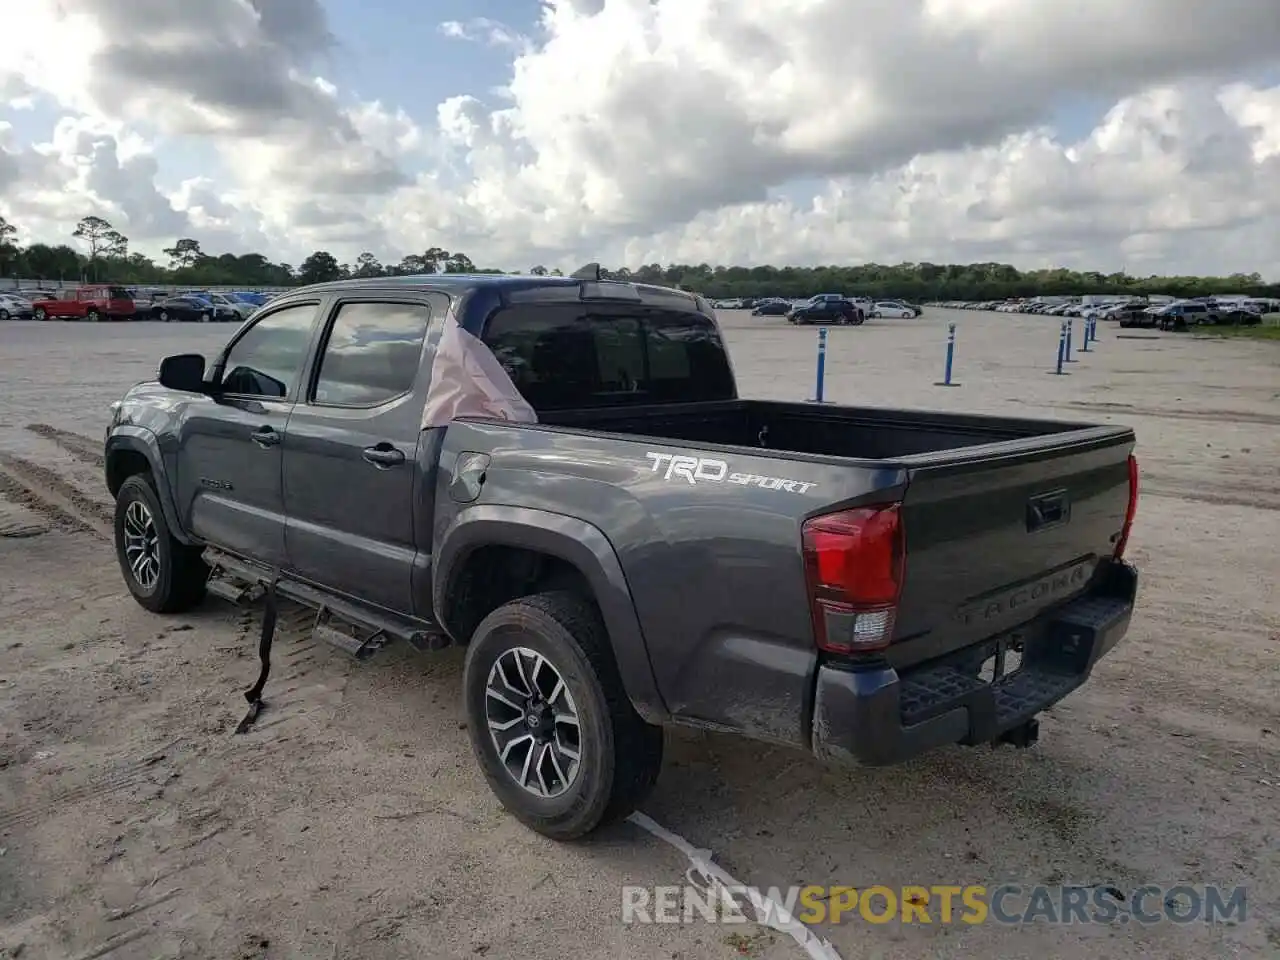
x: 713, y: 565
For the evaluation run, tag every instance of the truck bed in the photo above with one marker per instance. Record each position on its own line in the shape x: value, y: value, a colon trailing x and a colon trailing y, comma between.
x: 1007, y: 521
x: 864, y: 433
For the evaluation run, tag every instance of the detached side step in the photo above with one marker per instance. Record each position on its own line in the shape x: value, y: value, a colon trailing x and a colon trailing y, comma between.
x: 232, y: 590
x: 339, y: 619
x: 361, y: 649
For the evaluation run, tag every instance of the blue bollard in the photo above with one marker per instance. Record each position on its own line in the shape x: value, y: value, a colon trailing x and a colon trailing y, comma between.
x: 1062, y: 349
x: 1093, y: 330
x: 951, y: 356
x: 822, y: 365
x: 1071, y: 329
x: 1088, y: 333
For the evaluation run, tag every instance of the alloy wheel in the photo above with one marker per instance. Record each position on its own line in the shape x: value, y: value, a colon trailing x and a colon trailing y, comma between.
x: 533, y: 722
x: 142, y: 545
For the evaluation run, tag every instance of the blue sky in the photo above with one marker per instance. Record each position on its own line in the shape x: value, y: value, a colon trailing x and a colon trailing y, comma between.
x: 389, y: 50
x: 397, y: 54
x: 605, y: 119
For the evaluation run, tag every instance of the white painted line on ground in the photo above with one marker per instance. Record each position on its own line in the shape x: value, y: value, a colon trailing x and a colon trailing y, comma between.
x: 769, y: 912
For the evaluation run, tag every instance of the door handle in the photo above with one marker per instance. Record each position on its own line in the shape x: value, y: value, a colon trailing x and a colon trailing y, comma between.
x: 383, y: 455
x: 265, y: 437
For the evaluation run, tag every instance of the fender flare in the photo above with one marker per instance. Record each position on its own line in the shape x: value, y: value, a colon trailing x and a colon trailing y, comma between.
x: 140, y: 440
x: 576, y: 542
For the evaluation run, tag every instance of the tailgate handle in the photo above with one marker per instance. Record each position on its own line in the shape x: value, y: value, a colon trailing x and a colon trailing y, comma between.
x: 1048, y: 510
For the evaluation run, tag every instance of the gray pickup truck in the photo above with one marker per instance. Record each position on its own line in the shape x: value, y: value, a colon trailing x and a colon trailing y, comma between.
x: 861, y: 583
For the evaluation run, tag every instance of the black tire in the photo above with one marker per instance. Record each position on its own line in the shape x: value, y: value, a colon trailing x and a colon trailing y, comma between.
x: 39, y: 314
x: 4, y: 314
x: 182, y: 571
x: 92, y: 316
x: 620, y: 754
x: 859, y: 319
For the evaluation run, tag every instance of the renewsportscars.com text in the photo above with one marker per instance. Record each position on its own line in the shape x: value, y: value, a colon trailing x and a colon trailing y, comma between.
x: 936, y: 904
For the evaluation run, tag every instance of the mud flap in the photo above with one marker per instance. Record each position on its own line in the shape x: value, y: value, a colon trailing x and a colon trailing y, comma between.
x: 265, y: 639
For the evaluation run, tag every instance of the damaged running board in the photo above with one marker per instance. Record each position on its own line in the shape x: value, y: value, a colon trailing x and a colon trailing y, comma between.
x: 354, y: 628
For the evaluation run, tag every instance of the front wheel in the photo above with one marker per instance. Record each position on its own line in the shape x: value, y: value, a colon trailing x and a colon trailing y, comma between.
x: 93, y: 316
x: 163, y: 574
x: 205, y: 318
x: 4, y: 314
x: 549, y: 719
x: 40, y: 314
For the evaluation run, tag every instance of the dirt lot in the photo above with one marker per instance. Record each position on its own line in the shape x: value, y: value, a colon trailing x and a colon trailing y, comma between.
x: 353, y: 822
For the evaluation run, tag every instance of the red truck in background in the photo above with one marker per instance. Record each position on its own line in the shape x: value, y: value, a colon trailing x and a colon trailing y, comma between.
x: 92, y: 303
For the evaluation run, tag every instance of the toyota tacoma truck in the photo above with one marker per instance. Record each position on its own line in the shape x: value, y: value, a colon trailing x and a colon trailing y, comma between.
x: 864, y: 584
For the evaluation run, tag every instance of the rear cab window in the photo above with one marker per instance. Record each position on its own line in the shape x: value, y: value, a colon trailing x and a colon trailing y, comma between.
x: 564, y: 356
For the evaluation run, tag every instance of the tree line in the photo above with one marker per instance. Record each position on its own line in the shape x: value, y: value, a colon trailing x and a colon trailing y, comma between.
x: 106, y: 258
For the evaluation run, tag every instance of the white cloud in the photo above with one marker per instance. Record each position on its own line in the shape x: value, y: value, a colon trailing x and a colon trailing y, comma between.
x: 490, y: 32
x: 677, y: 130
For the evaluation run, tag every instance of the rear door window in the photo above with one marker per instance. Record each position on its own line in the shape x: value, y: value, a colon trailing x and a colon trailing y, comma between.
x: 566, y: 356
x: 372, y: 354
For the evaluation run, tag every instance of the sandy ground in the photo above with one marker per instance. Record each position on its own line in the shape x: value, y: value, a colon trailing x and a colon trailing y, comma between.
x: 353, y: 822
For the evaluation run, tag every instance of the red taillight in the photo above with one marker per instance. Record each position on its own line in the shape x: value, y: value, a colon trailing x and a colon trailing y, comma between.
x: 1131, y: 510
x: 853, y: 563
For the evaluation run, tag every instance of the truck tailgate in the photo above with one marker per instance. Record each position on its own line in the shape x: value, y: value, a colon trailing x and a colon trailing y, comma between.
x: 998, y: 533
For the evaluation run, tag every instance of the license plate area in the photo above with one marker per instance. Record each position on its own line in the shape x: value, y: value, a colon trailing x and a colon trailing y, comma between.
x: 1003, y: 660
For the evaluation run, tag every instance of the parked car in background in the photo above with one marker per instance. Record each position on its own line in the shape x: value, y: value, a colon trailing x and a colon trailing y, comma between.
x: 241, y: 308
x: 913, y: 307
x: 827, y: 309
x: 892, y: 310
x: 223, y: 309
x: 771, y: 308
x: 14, y: 307
x: 1183, y: 313
x: 1128, y: 314
x: 93, y: 303
x: 187, y: 310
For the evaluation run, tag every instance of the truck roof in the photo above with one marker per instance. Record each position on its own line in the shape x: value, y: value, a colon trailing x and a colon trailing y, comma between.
x: 488, y: 291
x: 507, y: 282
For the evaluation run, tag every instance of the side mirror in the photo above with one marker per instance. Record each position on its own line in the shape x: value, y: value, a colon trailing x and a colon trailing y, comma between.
x: 185, y: 372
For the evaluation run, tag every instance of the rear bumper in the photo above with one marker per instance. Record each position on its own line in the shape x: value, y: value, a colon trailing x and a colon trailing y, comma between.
x: 878, y: 717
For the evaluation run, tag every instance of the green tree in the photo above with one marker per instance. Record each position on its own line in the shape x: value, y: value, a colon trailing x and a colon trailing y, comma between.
x: 321, y: 266
x: 367, y: 265
x: 10, y: 255
x: 99, y: 235
x: 185, y: 253
x: 52, y: 263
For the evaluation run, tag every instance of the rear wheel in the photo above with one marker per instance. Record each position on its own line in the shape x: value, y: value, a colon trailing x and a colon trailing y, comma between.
x: 163, y: 574
x: 550, y: 722
x: 4, y: 314
x: 205, y: 317
x: 39, y: 314
x: 92, y: 316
